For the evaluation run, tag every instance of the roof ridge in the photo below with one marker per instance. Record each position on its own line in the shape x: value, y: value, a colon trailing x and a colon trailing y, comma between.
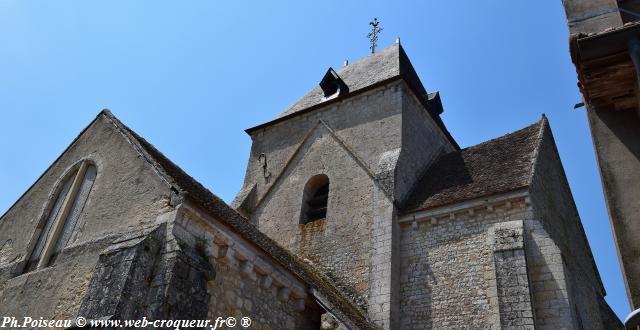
x: 370, y: 55
x: 502, y: 137
x: 291, y: 109
x: 103, y: 111
x: 543, y: 123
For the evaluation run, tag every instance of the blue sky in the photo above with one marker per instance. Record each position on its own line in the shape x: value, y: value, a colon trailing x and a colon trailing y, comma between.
x: 190, y: 76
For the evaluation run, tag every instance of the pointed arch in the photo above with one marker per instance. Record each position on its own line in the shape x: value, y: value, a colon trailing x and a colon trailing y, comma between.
x: 62, y: 215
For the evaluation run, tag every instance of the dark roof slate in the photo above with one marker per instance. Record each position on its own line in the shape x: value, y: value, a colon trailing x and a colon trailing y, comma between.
x: 191, y: 189
x: 497, y: 166
x: 383, y: 65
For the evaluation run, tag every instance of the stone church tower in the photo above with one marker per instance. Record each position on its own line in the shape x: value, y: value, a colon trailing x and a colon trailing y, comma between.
x: 362, y: 179
x: 369, y: 132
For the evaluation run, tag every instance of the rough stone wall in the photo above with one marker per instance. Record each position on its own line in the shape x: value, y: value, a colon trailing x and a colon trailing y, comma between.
x: 181, y: 285
x: 373, y: 147
x: 448, y: 270
x: 238, y: 296
x: 120, y: 284
x: 149, y: 273
x: 384, y: 272
x: 339, y: 245
x: 369, y: 123
x: 157, y: 273
x: 548, y: 279
x: 457, y: 272
x: 359, y: 145
x: 127, y: 194
x: 512, y: 278
x: 553, y: 204
x: 422, y: 143
x: 562, y: 299
x: 141, y: 196
x: 155, y: 264
x: 247, y: 283
x: 54, y: 292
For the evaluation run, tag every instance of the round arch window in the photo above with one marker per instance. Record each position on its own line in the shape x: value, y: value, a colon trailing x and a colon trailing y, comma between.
x: 315, y: 199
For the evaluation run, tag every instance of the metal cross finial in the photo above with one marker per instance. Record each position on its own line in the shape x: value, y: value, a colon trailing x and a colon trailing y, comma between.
x: 373, y: 35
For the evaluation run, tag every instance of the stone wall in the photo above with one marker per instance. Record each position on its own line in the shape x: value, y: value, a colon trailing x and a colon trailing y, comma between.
x: 422, y: 143
x: 456, y: 272
x: 511, y: 275
x: 120, y: 282
x: 54, y: 292
x: 553, y: 204
x: 548, y: 277
x: 356, y: 145
x: 247, y: 283
x: 138, y: 251
x: 339, y: 245
x: 238, y: 296
x: 373, y: 147
x: 126, y: 195
x: 448, y: 273
x: 370, y: 123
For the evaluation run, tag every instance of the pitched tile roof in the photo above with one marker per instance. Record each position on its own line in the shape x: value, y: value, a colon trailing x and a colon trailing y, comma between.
x: 191, y: 189
x: 497, y: 166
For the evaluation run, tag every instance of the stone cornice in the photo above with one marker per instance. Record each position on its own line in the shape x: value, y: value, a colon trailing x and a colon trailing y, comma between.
x: 470, y: 207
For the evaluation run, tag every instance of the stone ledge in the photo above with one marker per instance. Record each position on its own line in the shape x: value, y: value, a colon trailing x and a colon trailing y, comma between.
x: 517, y: 199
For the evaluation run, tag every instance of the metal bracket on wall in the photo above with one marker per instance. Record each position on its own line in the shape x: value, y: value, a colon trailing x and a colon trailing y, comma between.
x: 265, y: 172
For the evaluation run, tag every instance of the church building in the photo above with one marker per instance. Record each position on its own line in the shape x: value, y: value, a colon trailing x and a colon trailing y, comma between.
x: 359, y: 210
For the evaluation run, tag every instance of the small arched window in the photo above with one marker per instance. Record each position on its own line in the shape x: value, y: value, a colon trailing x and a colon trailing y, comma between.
x: 315, y: 199
x: 62, y: 217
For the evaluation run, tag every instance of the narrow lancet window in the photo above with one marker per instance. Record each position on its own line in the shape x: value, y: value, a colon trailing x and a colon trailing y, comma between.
x: 316, y: 199
x: 62, y: 217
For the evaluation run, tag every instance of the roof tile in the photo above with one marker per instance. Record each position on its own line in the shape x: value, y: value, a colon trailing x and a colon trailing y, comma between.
x: 500, y: 165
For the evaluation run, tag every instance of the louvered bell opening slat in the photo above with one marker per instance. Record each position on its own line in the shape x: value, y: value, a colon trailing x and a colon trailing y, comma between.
x: 318, y: 201
x: 317, y: 214
x: 317, y: 198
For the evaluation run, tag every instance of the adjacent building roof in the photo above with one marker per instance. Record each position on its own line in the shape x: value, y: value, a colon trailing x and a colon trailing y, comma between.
x: 497, y: 166
x: 192, y: 190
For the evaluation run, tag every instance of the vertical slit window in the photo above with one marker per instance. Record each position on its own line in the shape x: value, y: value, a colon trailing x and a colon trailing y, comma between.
x: 63, y: 217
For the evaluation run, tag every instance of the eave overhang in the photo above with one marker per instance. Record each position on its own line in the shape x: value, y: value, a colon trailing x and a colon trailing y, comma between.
x: 431, y: 102
x: 606, y: 73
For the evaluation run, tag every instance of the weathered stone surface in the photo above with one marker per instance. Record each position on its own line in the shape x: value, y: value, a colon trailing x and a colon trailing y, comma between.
x: 511, y: 275
x: 133, y: 254
x: 120, y: 282
x: 567, y: 255
x: 448, y: 272
x: 127, y: 194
